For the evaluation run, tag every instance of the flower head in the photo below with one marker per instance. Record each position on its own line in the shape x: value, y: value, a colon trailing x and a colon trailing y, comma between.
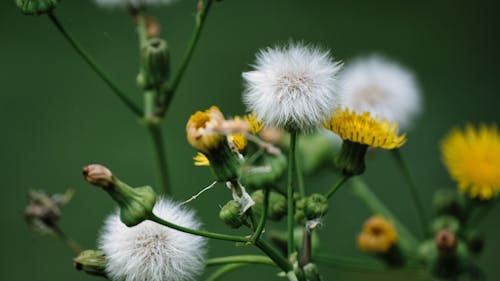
x: 363, y: 129
x: 292, y: 87
x: 133, y: 3
x: 381, y: 87
x: 202, y: 129
x: 153, y: 252
x: 378, y: 235
x: 472, y: 158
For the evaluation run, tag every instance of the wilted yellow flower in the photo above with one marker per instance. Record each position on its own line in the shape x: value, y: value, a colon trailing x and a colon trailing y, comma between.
x: 363, y: 129
x: 202, y: 129
x: 378, y: 235
x: 254, y: 123
x: 472, y: 158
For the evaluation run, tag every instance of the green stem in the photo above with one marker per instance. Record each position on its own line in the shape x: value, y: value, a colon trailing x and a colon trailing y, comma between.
x: 224, y: 270
x: 141, y: 29
x: 417, y: 201
x: 262, y: 222
x: 253, y: 259
x: 300, y: 175
x: 337, y: 185
x: 203, y: 233
x: 67, y: 240
x: 348, y: 263
x: 407, y: 241
x: 161, y: 155
x: 289, y: 193
x: 98, y: 69
x: 171, y: 88
x: 272, y: 253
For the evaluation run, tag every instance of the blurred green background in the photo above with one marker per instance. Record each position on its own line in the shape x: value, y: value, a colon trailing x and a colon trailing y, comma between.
x: 57, y: 116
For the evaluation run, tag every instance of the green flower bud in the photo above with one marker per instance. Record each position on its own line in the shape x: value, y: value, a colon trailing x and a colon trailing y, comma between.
x: 448, y: 223
x: 36, y: 7
x: 92, y: 262
x: 136, y: 204
x: 448, y: 202
x: 230, y: 214
x: 310, y: 208
x: 351, y: 159
x: 300, y: 214
x: 155, y: 64
x: 265, y: 171
x: 277, y: 204
x: 311, y: 271
x: 475, y: 242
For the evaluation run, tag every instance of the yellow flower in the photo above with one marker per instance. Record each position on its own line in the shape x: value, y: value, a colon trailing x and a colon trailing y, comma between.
x: 254, y: 123
x: 239, y: 141
x: 202, y: 129
x: 201, y: 160
x: 472, y: 158
x: 363, y: 129
x: 378, y: 235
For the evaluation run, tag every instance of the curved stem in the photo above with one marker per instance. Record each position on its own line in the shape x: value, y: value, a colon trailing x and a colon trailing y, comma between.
x: 203, y: 233
x: 66, y: 239
x: 224, y: 270
x: 161, y: 156
x: 262, y: 222
x: 171, y: 87
x: 289, y: 193
x: 417, y: 201
x: 337, y: 185
x: 248, y: 259
x: 97, y: 69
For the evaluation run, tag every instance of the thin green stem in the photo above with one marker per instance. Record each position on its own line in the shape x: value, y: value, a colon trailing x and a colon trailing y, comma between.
x: 262, y: 222
x: 161, y: 156
x: 141, y: 29
x: 171, y: 88
x: 337, y: 185
x: 300, y: 175
x: 219, y: 273
x: 273, y: 254
x: 289, y: 193
x: 203, y: 233
x: 66, y: 239
x: 97, y: 68
x: 417, y: 201
x: 248, y: 259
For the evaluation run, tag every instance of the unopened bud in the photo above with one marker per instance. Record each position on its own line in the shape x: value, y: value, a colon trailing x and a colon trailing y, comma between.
x: 92, y: 262
x: 475, y: 242
x: 36, y: 7
x: 316, y: 206
x: 446, y: 223
x: 230, y: 214
x: 277, y: 204
x: 446, y: 242
x: 136, y: 204
x: 311, y: 271
x: 155, y: 64
x: 98, y: 175
x: 351, y: 159
x: 448, y: 202
x: 44, y: 211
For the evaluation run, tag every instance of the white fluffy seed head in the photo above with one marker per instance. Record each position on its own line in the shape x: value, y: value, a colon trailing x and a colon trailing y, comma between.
x: 381, y: 87
x: 134, y: 3
x: 292, y: 87
x: 153, y: 252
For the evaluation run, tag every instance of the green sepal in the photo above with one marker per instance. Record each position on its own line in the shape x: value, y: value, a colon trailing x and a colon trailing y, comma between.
x: 36, y: 7
x: 155, y: 61
x: 136, y: 204
x: 351, y: 158
x: 230, y: 214
x: 277, y: 205
x: 92, y: 262
x: 224, y: 162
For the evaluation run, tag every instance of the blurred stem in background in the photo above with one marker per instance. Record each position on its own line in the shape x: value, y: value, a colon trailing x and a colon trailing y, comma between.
x: 417, y: 201
x: 97, y: 68
x: 66, y: 239
x: 219, y: 273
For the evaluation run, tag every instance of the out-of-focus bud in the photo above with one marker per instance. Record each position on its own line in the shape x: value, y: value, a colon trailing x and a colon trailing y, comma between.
x: 43, y: 211
x: 36, y: 7
x: 277, y: 204
x: 311, y: 271
x: 136, y: 204
x: 448, y: 223
x: 264, y: 171
x: 475, y: 242
x: 448, y: 202
x: 230, y: 214
x: 155, y: 64
x: 446, y: 242
x: 92, y: 262
x: 310, y: 208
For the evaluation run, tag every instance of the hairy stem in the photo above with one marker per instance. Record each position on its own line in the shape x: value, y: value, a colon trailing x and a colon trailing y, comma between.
x: 248, y: 259
x: 289, y: 193
x: 97, y: 68
x: 171, y: 86
x: 203, y: 233
x: 417, y: 201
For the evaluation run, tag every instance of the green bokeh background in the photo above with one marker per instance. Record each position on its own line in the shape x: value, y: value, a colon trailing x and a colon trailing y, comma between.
x: 57, y: 116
